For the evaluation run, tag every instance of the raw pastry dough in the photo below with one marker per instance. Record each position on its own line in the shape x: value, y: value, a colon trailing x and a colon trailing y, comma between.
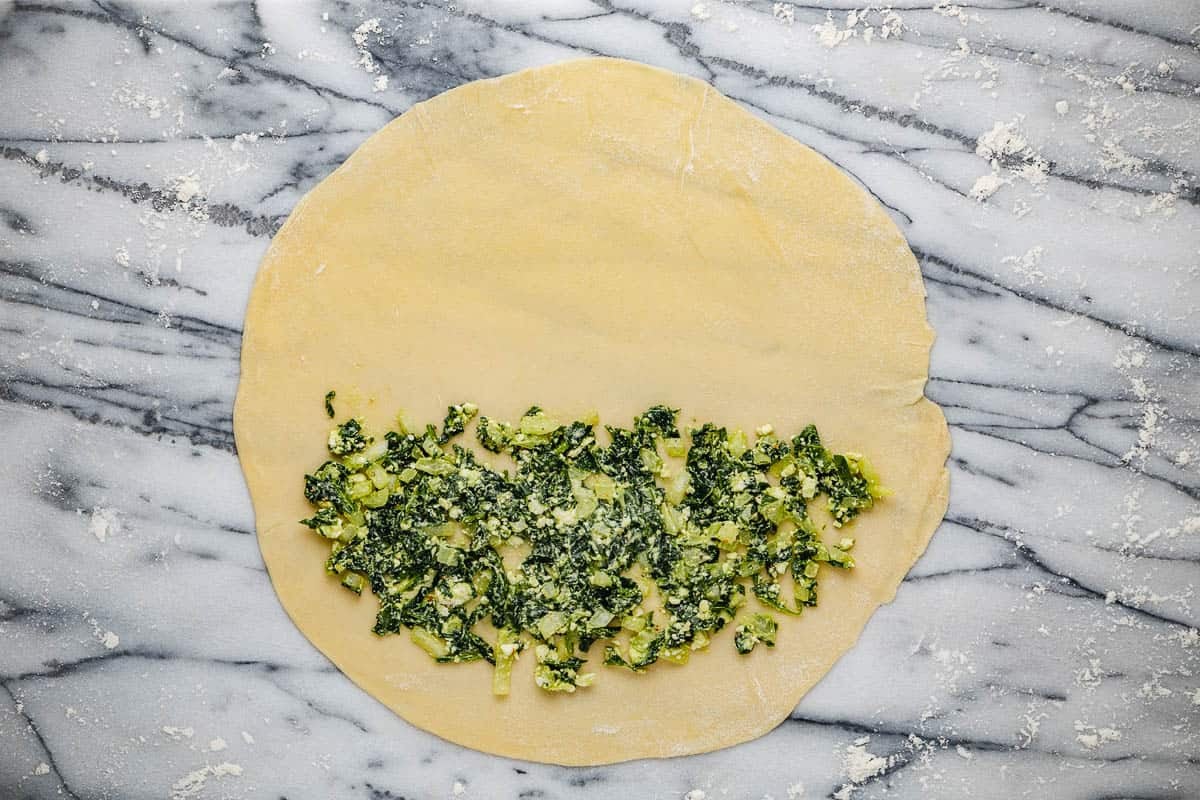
x: 593, y: 234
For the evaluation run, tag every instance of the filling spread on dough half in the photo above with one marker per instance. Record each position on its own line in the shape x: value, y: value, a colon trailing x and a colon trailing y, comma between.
x: 646, y: 545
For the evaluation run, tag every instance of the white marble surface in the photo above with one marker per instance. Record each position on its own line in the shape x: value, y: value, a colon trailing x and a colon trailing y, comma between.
x: 1044, y: 647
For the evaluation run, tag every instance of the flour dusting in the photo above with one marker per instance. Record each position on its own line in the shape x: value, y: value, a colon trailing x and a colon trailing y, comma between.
x: 1026, y: 266
x: 185, y: 186
x: 1010, y: 157
x: 1092, y: 737
x: 859, y: 765
x: 360, y: 37
x: 104, y: 522
x: 869, y: 23
x: 194, y: 782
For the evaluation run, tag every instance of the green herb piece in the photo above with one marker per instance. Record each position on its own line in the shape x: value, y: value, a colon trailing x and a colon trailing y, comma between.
x: 456, y: 420
x: 573, y: 544
x: 758, y: 628
x: 347, y: 438
x: 329, y: 396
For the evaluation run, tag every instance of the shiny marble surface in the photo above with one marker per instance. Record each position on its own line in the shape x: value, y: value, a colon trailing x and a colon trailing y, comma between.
x: 1042, y: 160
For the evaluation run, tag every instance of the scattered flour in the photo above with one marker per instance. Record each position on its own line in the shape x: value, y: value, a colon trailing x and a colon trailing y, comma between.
x: 193, y: 783
x: 1162, y: 203
x: 784, y: 12
x: 1062, y: 107
x: 185, y: 187
x: 1128, y: 361
x: 1004, y: 139
x: 1010, y: 156
x: 701, y: 11
x: 987, y: 185
x: 1113, y: 157
x: 459, y: 789
x: 107, y: 638
x: 238, y: 145
x: 1026, y: 266
x: 360, y: 36
x: 882, y: 23
x: 121, y: 257
x: 135, y: 99
x: 218, y: 744
x: 947, y: 9
x: 1187, y: 639
x: 695, y: 794
x: 829, y: 34
x: 1091, y: 737
x: 380, y: 84
x: 42, y: 769
x: 1092, y: 675
x: 1033, y: 724
x: 178, y: 734
x: 42, y: 157
x: 795, y: 791
x: 859, y: 765
x: 104, y: 523
x: 247, y: 738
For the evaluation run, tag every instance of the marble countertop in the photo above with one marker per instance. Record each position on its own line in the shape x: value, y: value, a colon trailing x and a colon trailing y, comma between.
x: 1041, y: 158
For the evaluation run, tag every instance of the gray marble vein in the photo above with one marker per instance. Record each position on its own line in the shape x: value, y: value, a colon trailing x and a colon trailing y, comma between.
x: 1042, y: 158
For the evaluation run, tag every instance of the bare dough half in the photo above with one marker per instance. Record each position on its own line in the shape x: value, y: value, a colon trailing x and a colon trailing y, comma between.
x: 596, y: 234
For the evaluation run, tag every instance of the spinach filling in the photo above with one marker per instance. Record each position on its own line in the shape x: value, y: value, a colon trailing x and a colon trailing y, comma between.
x: 645, y: 546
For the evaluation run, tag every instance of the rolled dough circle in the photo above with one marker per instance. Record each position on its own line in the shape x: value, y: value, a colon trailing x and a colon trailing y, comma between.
x: 593, y: 234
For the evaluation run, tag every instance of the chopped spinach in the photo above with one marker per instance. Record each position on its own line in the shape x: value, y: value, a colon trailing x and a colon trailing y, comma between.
x: 573, y: 544
x: 347, y: 438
